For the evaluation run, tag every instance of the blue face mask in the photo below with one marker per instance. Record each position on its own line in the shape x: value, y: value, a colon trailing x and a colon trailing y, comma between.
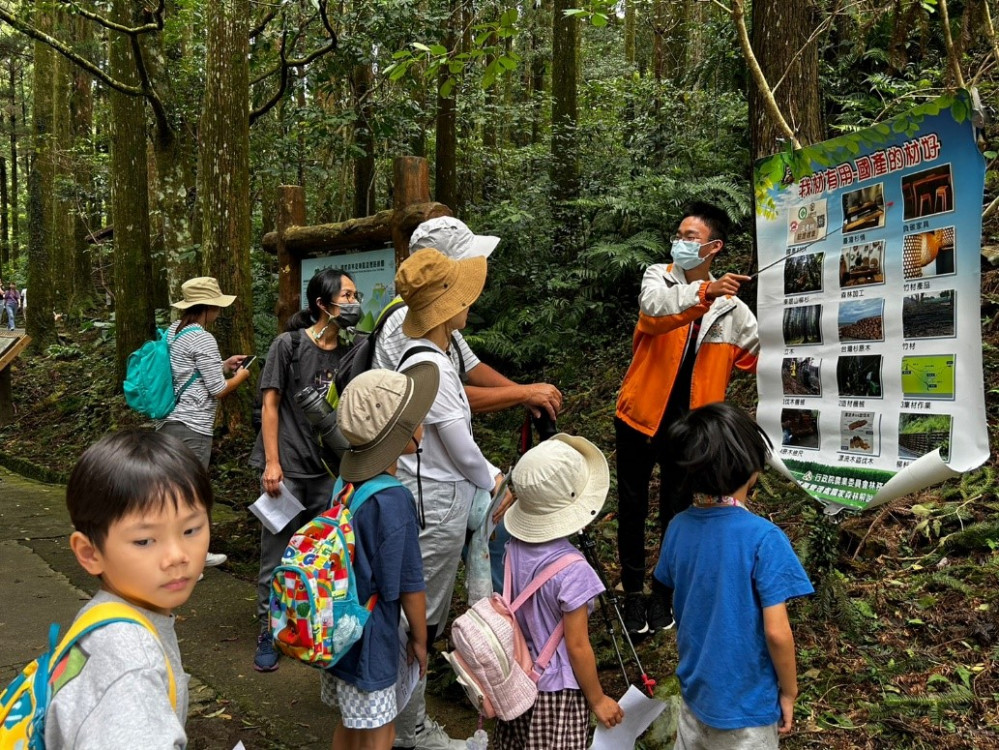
x: 687, y: 254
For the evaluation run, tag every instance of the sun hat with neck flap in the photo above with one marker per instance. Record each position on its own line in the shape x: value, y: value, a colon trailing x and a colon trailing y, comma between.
x: 561, y: 485
x: 203, y: 290
x: 378, y: 413
x: 436, y: 288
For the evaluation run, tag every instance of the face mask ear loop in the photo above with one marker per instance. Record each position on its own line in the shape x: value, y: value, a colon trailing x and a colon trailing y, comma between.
x: 419, y: 486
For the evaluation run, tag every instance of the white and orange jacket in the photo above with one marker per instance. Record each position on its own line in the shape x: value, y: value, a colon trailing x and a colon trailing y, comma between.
x: 668, y: 304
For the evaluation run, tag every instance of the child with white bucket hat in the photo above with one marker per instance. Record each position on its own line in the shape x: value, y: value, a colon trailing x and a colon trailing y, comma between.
x: 561, y: 486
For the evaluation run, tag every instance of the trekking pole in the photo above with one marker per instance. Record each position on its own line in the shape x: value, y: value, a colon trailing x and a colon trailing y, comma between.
x: 590, y: 552
x: 609, y: 623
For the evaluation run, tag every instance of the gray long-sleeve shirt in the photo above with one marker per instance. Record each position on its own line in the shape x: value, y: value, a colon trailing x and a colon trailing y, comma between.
x: 114, y: 694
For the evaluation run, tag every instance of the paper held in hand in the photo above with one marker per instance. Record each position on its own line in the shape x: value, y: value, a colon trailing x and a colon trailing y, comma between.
x: 639, y: 712
x: 276, y: 512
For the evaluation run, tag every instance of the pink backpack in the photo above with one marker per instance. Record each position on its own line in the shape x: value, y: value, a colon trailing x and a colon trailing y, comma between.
x: 490, y: 655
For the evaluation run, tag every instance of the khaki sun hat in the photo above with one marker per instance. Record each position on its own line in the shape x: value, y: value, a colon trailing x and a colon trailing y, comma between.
x: 379, y: 412
x: 436, y: 288
x: 453, y: 238
x: 203, y: 290
x: 561, y: 485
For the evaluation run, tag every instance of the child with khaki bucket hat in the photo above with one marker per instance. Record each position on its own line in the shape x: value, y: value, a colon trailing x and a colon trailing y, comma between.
x: 445, y: 474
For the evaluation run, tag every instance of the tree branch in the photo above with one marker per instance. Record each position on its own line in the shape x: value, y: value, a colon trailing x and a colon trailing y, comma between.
x: 259, y: 28
x: 156, y: 25
x: 286, y: 65
x: 739, y: 16
x: 162, y: 121
x: 949, y: 41
x: 39, y: 36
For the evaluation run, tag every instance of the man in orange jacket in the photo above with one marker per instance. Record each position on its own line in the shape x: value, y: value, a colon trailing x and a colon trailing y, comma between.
x: 692, y: 331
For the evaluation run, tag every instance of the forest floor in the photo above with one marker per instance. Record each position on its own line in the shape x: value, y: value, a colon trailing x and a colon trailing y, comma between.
x: 899, y: 649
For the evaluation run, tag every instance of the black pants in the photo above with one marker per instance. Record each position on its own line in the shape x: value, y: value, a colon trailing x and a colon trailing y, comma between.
x: 637, y: 454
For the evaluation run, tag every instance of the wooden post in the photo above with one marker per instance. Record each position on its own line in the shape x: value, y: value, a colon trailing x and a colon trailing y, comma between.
x: 411, y: 184
x: 290, y: 213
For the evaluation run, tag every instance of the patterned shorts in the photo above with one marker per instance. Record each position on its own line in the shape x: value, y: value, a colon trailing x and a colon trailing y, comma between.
x: 359, y: 709
x: 557, y: 721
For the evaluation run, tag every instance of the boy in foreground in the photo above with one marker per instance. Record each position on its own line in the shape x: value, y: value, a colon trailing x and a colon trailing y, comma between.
x: 140, y: 503
x: 731, y: 573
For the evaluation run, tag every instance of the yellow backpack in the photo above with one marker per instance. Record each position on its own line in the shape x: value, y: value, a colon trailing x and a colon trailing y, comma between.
x: 24, y: 702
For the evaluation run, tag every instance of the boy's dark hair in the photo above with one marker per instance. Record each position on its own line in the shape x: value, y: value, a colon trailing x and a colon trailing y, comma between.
x: 716, y: 219
x: 133, y: 470
x: 720, y: 447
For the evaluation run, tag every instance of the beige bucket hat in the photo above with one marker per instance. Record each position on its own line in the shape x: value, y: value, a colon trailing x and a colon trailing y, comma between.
x: 561, y: 485
x: 378, y: 413
x: 203, y: 290
x: 436, y: 288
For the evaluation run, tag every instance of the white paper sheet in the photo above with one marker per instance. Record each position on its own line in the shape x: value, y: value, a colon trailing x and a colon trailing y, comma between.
x: 639, y: 712
x: 239, y: 746
x: 409, y: 674
x: 276, y: 512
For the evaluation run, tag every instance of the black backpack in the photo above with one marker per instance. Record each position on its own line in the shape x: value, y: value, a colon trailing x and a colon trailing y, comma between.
x: 362, y: 354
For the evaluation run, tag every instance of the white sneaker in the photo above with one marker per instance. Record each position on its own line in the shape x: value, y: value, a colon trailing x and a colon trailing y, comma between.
x: 212, y: 559
x: 433, y: 737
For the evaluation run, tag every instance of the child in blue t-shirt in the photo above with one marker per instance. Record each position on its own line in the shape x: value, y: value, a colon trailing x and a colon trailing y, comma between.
x: 380, y: 415
x: 732, y: 573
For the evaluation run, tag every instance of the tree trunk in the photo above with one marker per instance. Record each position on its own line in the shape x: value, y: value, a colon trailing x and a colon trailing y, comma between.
x: 4, y: 226
x: 364, y: 165
x: 781, y: 29
x: 41, y: 184
x: 446, y: 165
x: 135, y: 318
x: 564, y: 150
x: 224, y: 182
x: 62, y: 247
x: 15, y: 219
x: 85, y: 221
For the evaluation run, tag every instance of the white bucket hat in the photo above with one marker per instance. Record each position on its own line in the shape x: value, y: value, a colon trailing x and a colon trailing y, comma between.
x: 453, y: 238
x: 561, y: 485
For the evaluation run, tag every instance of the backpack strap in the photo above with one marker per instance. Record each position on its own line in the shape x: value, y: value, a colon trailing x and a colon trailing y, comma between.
x: 196, y: 374
x: 461, y: 359
x: 296, y: 360
x: 97, y: 617
x: 355, y: 498
x: 412, y: 351
x: 552, y: 644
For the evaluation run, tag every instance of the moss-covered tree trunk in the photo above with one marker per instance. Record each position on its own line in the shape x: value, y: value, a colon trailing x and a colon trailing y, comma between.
x: 361, y: 81
x: 224, y: 181
x: 41, y: 184
x: 15, y: 229
x: 63, y: 245
x: 135, y: 320
x: 85, y: 219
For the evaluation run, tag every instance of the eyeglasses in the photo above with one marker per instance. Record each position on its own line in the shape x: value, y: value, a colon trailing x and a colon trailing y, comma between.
x: 350, y: 295
x: 692, y: 239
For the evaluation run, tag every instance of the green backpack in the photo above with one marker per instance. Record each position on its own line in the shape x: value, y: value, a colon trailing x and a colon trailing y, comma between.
x: 148, y: 382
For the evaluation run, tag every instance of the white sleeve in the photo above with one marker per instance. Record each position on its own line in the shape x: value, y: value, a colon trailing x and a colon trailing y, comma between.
x: 662, y: 294
x: 465, y: 454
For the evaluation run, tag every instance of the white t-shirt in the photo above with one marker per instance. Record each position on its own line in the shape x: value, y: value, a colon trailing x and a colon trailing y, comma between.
x: 449, y: 450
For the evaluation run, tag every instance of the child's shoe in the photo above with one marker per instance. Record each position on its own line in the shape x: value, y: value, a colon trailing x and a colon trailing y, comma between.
x: 266, y: 658
x: 433, y: 737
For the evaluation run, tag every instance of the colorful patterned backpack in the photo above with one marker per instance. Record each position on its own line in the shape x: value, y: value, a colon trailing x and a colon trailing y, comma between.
x: 25, y: 701
x: 315, y: 615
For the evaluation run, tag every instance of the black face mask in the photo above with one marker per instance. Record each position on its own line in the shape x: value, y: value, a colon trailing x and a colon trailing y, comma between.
x: 349, y: 315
